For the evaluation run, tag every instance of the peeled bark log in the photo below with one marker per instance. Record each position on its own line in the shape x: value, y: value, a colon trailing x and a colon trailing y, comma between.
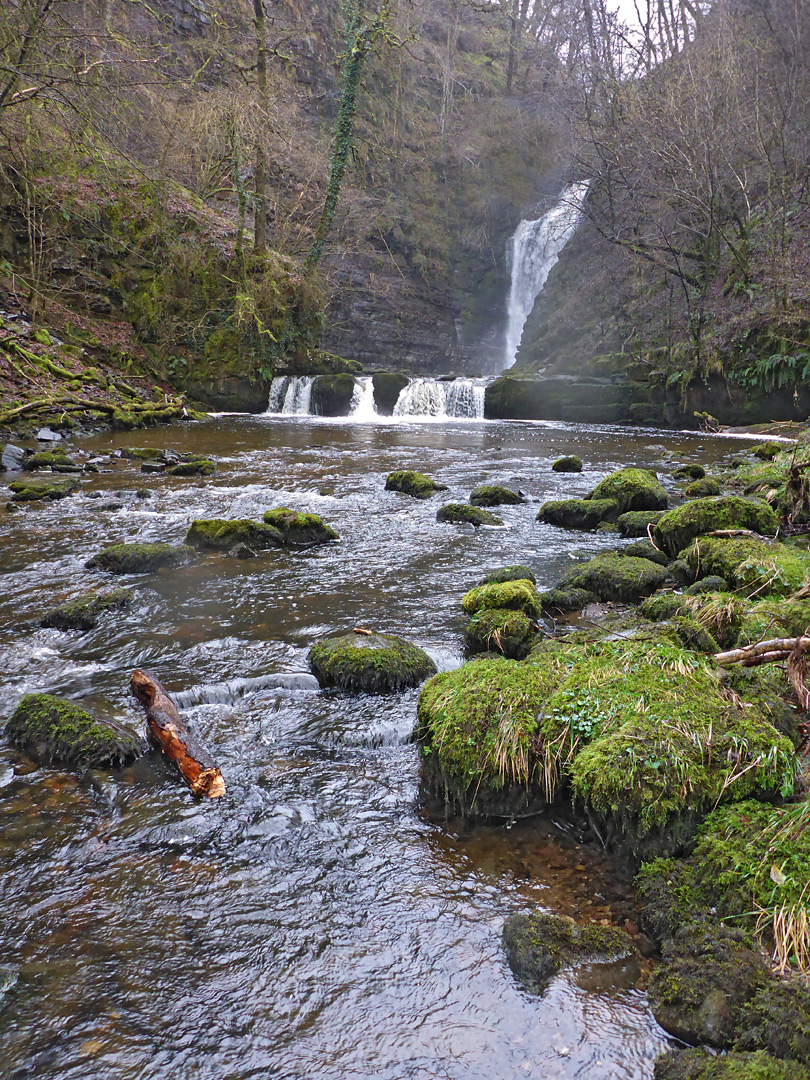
x: 168, y: 732
x: 781, y: 647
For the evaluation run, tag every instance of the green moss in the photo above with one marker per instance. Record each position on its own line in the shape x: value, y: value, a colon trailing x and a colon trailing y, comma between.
x: 388, y: 385
x: 632, y: 489
x: 617, y: 577
x: 300, y: 530
x: 500, y: 630
x: 564, y: 601
x: 45, y: 458
x: 141, y: 558
x: 775, y: 618
x: 568, y: 463
x: 221, y: 534
x: 702, y: 1065
x: 701, y: 489
x: 516, y: 595
x: 494, y: 495
x: 634, y: 522
x: 54, y: 731
x: 578, y: 513
x: 332, y: 394
x: 767, y: 451
x: 749, y: 565
x: 198, y: 467
x: 691, y: 472
x: 36, y: 490
x: 82, y: 614
x: 509, y: 573
x: 461, y: 513
x: 375, y: 664
x: 141, y: 453
x: 678, y: 527
x: 663, y: 605
x: 669, y: 897
x: 413, y: 483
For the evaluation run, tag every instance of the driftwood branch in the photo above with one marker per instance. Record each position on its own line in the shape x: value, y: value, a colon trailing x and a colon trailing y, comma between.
x: 774, y: 649
x: 168, y: 732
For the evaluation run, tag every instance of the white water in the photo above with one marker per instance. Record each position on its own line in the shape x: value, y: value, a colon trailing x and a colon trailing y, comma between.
x: 456, y: 398
x: 362, y: 405
x: 536, y: 247
x: 290, y: 395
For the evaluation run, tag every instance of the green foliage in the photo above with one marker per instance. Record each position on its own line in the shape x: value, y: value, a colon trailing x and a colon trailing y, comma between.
x: 774, y: 372
x: 500, y: 630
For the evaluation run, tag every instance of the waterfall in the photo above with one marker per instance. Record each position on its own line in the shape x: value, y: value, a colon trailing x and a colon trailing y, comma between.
x: 536, y: 247
x: 290, y: 395
x: 455, y: 398
x: 362, y: 405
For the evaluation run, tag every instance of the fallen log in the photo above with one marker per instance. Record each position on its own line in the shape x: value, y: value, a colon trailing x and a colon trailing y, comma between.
x: 746, y: 653
x: 168, y: 732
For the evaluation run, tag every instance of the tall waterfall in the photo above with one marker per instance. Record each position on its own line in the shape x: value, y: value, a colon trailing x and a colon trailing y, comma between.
x: 290, y: 395
x: 458, y: 398
x: 536, y: 247
x: 362, y: 405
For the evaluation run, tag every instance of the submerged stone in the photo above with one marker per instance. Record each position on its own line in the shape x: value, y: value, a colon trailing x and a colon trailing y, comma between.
x: 495, y: 495
x: 141, y: 558
x: 58, y: 732
x: 500, y: 630
x: 578, y: 513
x: 300, y: 530
x: 462, y: 513
x: 374, y: 663
x: 678, y: 527
x: 82, y: 614
x: 509, y: 573
x: 568, y: 463
x: 412, y: 483
x: 632, y: 489
x: 622, y: 578
x: 515, y: 595
x: 221, y: 534
x: 36, y: 490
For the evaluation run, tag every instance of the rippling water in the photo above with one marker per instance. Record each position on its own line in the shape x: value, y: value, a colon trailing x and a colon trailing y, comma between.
x: 312, y: 923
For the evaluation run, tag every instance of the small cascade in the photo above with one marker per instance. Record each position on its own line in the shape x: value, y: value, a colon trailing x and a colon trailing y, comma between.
x: 362, y: 405
x: 290, y: 395
x: 536, y: 247
x: 454, y: 398
x: 228, y: 693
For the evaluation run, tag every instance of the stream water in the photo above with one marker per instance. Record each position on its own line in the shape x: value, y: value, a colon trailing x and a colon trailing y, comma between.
x: 313, y: 923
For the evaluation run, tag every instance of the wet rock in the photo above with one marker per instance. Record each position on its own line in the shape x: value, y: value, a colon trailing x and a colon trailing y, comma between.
x: 300, y: 530
x: 374, y: 663
x: 141, y: 558
x: 494, y: 495
x: 578, y: 513
x: 90, y: 467
x: 644, y: 549
x: 509, y: 573
x: 462, y: 513
x: 82, y: 614
x: 701, y: 489
x: 712, y: 583
x: 539, y: 946
x: 689, y: 472
x: 58, y: 732
x: 198, y: 467
x: 617, y: 577
x: 564, y: 601
x: 12, y: 508
x: 679, y: 571
x: 498, y: 630
x: 12, y: 458
x: 332, y: 394
x: 568, y: 463
x: 47, y: 435
x: 142, y: 453
x: 143, y: 493
x: 242, y: 551
x: 36, y: 490
x: 635, y: 522
x: 767, y: 451
x: 515, y: 595
x: 45, y: 459
x: 703, y: 1065
x: 112, y: 505
x: 416, y: 484
x: 154, y: 467
x: 221, y: 534
x: 632, y: 489
x: 388, y: 385
x: 678, y: 527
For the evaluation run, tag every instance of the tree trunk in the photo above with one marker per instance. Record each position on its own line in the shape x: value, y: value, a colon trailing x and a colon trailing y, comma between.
x: 260, y: 178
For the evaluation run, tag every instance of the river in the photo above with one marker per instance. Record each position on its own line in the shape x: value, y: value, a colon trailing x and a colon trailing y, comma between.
x: 314, y: 923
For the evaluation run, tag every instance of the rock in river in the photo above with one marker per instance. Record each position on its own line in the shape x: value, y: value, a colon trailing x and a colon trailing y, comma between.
x: 374, y: 663
x: 82, y: 614
x: 141, y: 558
x: 222, y: 534
x: 461, y: 513
x: 413, y: 483
x: 300, y: 530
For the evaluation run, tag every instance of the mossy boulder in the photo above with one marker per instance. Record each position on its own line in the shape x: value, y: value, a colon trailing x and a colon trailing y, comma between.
x: 509, y: 573
x: 678, y: 527
x: 622, y: 578
x: 58, y: 732
x: 495, y: 495
x: 632, y: 489
x: 82, y: 614
x: 515, y: 595
x: 221, y: 534
x: 538, y: 946
x: 699, y: 1064
x: 568, y: 463
x: 141, y: 558
x: 749, y: 565
x: 47, y: 458
x: 644, y: 549
x: 564, y: 601
x: 374, y: 663
x: 37, y: 490
x: 767, y: 451
x: 701, y: 489
x: 634, y: 523
x: 720, y: 614
x: 388, y: 385
x: 197, y: 467
x: 416, y: 484
x: 578, y: 513
x: 332, y: 394
x: 142, y: 453
x: 462, y: 513
x: 689, y: 472
x: 710, y: 584
x: 499, y: 630
x: 300, y: 530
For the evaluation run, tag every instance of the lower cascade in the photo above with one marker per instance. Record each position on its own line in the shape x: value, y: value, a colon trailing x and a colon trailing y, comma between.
x: 362, y: 405
x: 290, y: 395
x: 459, y: 399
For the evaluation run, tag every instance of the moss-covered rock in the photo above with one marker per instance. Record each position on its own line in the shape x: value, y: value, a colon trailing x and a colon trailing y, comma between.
x: 702, y: 489
x: 197, y: 467
x: 416, y: 484
x: 82, y: 614
x: 564, y: 601
x: 58, y: 732
x: 578, y: 513
x: 142, y: 453
x: 388, y: 385
x: 509, y: 573
x: 47, y: 458
x: 462, y: 513
x: 141, y: 558
x: 644, y: 549
x: 720, y: 614
x: 749, y: 565
x: 36, y: 490
x: 710, y: 584
x: 515, y: 595
x: 616, y: 577
x: 634, y: 523
x: 702, y: 1065
x: 632, y: 489
x: 221, y: 534
x: 495, y: 495
x: 332, y: 394
x: 678, y: 527
x: 767, y: 451
x: 300, y: 530
x: 538, y: 946
x: 500, y: 630
x: 568, y: 463
x: 788, y: 617
x: 374, y: 664
x: 689, y: 472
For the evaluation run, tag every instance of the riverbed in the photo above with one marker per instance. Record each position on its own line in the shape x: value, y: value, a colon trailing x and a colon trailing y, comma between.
x: 315, y: 922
